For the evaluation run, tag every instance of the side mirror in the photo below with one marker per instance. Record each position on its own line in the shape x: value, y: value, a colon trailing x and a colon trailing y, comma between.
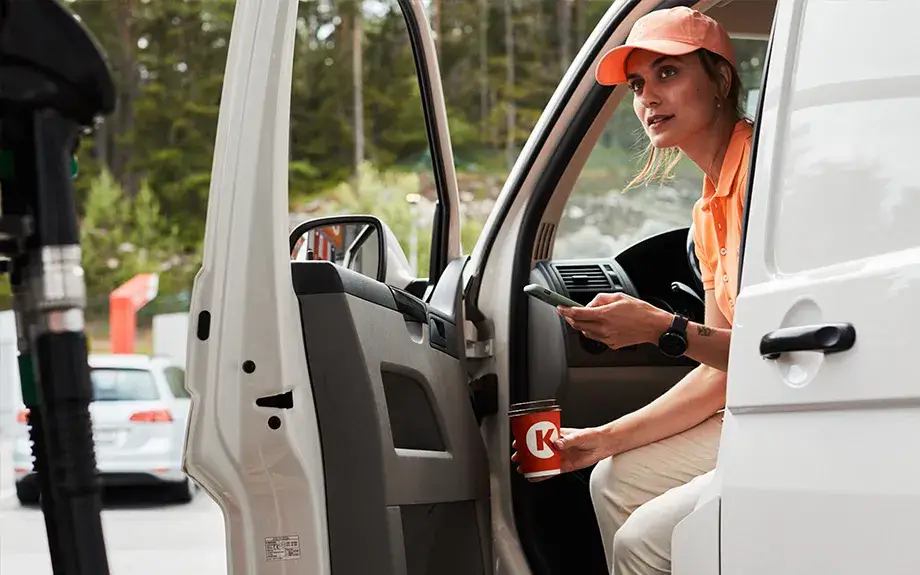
x: 354, y: 242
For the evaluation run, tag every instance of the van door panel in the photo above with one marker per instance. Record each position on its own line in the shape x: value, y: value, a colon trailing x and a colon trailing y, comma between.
x: 405, y: 465
x: 811, y: 380
x: 818, y: 463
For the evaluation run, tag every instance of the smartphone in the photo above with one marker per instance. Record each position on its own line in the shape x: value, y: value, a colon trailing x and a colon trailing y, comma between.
x: 549, y: 296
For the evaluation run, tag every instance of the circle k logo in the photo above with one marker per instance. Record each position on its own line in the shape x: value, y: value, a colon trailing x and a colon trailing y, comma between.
x: 540, y: 438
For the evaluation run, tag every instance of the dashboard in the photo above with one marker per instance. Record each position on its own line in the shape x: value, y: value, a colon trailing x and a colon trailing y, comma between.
x: 658, y: 270
x: 647, y: 270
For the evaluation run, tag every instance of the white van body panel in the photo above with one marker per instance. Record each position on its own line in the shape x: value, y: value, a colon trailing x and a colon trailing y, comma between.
x: 818, y: 465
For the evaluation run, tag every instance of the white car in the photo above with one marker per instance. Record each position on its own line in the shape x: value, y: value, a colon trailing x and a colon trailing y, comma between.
x: 139, y: 414
x: 348, y: 427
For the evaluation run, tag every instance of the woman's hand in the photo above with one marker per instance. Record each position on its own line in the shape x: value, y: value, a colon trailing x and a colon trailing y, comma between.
x: 618, y: 320
x: 578, y: 448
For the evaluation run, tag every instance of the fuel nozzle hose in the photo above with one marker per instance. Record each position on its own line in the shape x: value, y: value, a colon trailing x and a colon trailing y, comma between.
x: 54, y: 83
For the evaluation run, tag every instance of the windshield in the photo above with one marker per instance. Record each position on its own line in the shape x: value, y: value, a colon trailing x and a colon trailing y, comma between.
x: 119, y: 384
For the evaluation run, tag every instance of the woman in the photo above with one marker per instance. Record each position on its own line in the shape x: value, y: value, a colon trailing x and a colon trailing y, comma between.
x: 653, y: 463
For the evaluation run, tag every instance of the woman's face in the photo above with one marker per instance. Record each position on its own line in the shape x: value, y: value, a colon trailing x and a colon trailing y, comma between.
x: 674, y: 98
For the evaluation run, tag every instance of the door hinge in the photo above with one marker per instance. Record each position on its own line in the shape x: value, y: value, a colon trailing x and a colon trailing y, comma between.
x: 476, y: 348
x: 484, y: 396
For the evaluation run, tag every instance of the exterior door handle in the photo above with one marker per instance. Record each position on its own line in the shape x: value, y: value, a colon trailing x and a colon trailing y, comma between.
x: 826, y: 338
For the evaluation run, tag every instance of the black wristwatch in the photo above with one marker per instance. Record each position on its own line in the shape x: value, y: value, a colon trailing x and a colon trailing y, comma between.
x: 673, y: 342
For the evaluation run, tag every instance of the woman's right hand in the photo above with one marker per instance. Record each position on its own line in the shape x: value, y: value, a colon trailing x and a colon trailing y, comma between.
x: 578, y: 448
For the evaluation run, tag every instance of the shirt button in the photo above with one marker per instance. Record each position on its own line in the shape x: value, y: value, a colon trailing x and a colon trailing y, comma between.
x: 723, y: 251
x: 725, y: 278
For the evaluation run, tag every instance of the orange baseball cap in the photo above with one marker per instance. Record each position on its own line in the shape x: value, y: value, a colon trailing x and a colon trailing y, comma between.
x: 673, y: 32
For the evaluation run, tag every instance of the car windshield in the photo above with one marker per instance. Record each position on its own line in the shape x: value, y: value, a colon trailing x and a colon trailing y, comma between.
x: 119, y: 384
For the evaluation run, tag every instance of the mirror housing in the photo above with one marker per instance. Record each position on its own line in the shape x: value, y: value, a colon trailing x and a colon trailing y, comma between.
x: 357, y: 242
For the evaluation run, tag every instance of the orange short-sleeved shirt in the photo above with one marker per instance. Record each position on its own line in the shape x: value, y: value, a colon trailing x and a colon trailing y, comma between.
x: 717, y: 219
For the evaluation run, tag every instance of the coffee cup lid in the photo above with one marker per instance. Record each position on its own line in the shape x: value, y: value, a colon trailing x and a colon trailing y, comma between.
x: 531, y: 406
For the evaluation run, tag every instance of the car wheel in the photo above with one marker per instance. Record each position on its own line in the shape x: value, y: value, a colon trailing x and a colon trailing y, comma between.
x: 184, y: 492
x: 28, y: 494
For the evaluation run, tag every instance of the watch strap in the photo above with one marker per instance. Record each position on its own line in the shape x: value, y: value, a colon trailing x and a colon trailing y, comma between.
x: 679, y: 325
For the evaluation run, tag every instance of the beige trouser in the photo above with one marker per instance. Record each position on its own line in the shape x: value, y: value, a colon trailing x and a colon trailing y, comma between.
x: 640, y: 496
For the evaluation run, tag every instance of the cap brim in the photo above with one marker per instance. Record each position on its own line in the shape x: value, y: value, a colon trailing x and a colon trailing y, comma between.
x: 611, y: 70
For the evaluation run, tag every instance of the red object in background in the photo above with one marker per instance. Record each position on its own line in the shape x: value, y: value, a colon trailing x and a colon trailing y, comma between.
x: 154, y: 416
x: 327, y: 241
x: 124, y: 304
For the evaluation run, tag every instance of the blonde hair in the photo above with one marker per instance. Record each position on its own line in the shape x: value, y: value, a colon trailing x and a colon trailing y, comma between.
x: 660, y: 162
x: 659, y: 165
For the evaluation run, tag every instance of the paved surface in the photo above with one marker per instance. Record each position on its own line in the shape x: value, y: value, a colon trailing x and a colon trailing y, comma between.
x: 6, y: 469
x: 144, y: 534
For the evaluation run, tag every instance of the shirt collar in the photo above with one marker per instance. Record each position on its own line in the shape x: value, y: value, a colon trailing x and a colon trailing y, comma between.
x: 730, y: 164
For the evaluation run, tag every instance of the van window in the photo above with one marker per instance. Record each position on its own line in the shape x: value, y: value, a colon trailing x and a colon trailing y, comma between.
x: 599, y: 220
x: 110, y: 384
x: 845, y: 151
x: 373, y: 162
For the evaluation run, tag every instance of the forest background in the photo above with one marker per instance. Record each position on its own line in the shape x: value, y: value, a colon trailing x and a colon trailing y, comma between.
x: 357, y: 137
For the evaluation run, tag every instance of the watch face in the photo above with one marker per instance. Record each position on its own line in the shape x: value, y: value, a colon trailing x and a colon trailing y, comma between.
x: 671, y: 344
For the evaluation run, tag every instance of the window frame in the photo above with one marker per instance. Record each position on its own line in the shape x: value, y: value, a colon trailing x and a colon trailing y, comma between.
x: 754, y: 150
x: 444, y: 173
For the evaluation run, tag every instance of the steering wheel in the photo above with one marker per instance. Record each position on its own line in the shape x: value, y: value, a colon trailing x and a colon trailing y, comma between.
x: 694, y: 262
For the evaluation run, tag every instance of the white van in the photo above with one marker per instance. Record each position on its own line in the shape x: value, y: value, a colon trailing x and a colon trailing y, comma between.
x: 356, y: 423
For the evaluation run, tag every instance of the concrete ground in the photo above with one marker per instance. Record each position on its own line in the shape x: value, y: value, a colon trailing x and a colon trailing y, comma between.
x: 145, y: 535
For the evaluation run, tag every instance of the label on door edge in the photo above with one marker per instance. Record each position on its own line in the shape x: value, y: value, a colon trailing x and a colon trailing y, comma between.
x: 282, y: 548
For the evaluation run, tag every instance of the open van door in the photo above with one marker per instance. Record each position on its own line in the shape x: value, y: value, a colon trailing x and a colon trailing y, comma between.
x: 261, y: 464
x: 331, y: 417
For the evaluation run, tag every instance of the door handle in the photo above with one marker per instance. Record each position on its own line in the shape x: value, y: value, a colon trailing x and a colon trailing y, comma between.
x: 411, y: 308
x: 826, y: 338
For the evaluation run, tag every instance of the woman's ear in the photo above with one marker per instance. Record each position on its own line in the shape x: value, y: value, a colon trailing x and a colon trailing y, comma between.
x: 725, y: 80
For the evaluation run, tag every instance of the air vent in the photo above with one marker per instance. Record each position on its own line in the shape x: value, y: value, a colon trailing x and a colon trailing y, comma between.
x: 580, y: 278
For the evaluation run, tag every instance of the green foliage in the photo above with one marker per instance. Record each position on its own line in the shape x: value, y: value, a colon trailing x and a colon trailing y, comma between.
x: 383, y: 194
x: 145, y: 173
x: 121, y: 238
x: 168, y: 60
x: 6, y: 292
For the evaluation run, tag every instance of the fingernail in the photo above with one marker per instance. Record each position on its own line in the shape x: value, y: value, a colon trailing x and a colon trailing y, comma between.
x: 558, y: 444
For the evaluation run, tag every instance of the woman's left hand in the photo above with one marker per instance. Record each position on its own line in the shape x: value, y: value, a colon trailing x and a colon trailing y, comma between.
x: 618, y: 320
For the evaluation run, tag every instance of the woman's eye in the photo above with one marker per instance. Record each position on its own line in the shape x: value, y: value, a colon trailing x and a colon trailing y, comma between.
x: 667, y: 71
x: 635, y: 85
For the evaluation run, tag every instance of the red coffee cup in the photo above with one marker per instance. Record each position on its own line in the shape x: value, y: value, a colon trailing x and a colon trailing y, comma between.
x: 535, y: 426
